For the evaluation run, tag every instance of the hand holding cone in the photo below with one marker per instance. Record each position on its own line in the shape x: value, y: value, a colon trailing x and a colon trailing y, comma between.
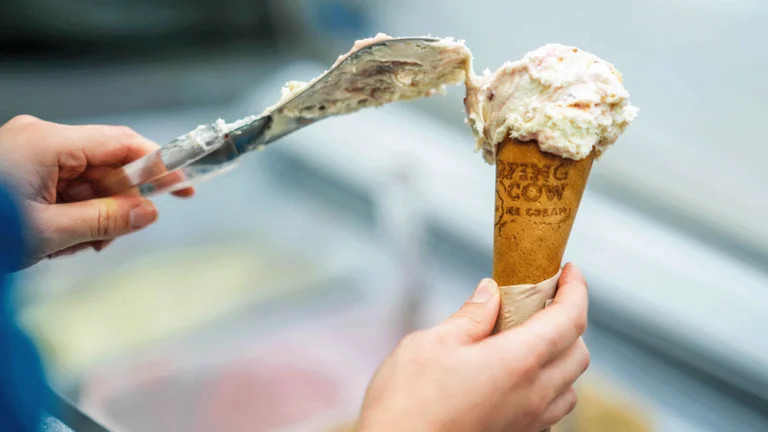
x: 537, y: 198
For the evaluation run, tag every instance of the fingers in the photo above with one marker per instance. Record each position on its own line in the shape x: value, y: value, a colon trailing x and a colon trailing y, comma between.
x: 70, y: 250
x: 105, y: 181
x: 98, y: 151
x: 572, y: 274
x: 99, y: 182
x: 168, y: 181
x: 105, y: 145
x: 559, y: 408
x: 100, y: 245
x: 108, y: 181
x: 563, y: 372
x: 476, y: 318
x: 184, y: 193
x: 77, y: 147
x: 552, y: 331
x: 97, y: 246
x: 66, y: 225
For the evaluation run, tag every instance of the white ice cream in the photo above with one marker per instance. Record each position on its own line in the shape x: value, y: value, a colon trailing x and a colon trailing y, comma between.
x: 204, y: 136
x: 567, y: 100
x: 362, y: 78
x: 229, y: 127
x: 386, y: 73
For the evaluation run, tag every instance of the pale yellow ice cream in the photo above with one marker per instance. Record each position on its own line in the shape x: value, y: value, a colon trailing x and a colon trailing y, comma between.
x: 568, y: 100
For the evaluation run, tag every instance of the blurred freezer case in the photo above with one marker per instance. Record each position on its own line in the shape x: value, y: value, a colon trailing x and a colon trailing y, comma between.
x: 307, y: 375
x: 55, y: 29
x: 219, y: 337
x: 604, y: 407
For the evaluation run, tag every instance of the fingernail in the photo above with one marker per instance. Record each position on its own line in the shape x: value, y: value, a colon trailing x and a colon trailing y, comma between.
x: 484, y: 291
x: 142, y: 215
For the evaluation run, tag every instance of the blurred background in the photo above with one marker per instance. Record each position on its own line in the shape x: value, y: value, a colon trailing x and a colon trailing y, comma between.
x: 266, y: 303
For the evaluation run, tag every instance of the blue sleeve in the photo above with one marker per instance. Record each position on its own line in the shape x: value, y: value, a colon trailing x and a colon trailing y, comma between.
x: 22, y: 386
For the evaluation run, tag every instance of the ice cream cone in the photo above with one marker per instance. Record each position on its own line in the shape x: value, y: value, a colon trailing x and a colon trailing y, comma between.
x: 537, y: 197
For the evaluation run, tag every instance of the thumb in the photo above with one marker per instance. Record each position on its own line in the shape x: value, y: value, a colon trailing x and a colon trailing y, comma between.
x: 476, y: 319
x: 66, y: 225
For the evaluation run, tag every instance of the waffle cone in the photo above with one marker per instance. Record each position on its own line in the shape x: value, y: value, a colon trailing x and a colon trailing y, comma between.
x: 537, y: 197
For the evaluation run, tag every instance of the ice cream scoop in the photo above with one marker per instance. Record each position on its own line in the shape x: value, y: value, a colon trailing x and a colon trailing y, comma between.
x: 377, y: 71
x: 567, y: 100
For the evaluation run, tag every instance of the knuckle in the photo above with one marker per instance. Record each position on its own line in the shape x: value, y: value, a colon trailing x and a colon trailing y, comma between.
x: 469, y: 319
x: 105, y: 222
x: 538, y: 406
x: 125, y: 134
x: 548, y: 345
x: 585, y: 363
x: 524, y: 373
x: 586, y: 360
x: 72, y: 158
x: 530, y: 366
x: 23, y: 119
x: 413, y: 340
x: 580, y: 324
x: 416, y: 349
x: 437, y: 339
x: 23, y: 125
x: 572, y: 401
x: 531, y: 417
